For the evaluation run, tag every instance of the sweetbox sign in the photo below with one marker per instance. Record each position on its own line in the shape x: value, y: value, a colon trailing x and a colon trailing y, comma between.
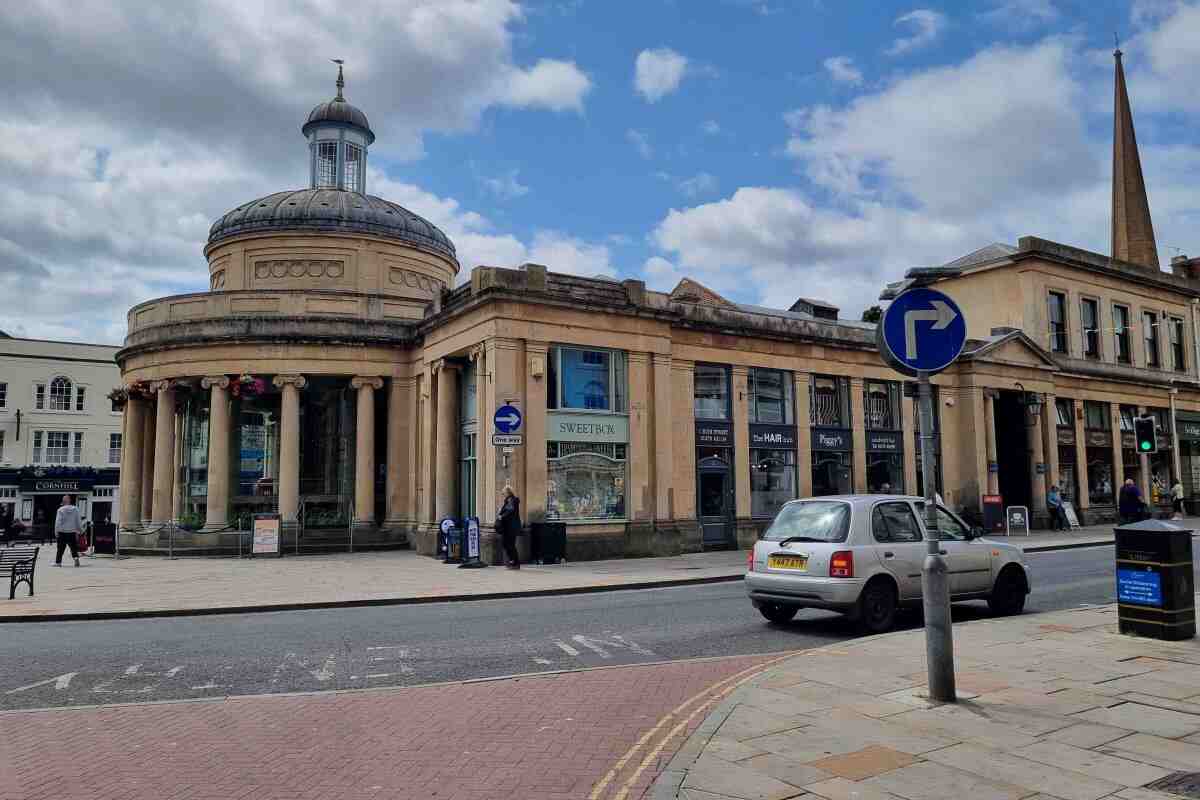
x: 825, y: 439
x: 773, y: 437
x: 604, y: 428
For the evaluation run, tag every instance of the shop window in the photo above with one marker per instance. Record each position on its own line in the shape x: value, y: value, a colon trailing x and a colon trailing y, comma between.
x: 1096, y: 416
x: 1090, y: 320
x: 771, y: 397
x: 772, y: 480
x: 937, y: 471
x: 829, y: 402
x: 114, y: 448
x: 468, y: 397
x: 590, y: 380
x: 585, y: 481
x: 60, y: 394
x: 1121, y: 334
x: 832, y: 473
x: 711, y: 392
x: 1127, y: 415
x: 881, y: 404
x: 885, y: 473
x: 1150, y: 335
x: 1056, y: 307
x: 468, y: 475
x: 1178, y: 354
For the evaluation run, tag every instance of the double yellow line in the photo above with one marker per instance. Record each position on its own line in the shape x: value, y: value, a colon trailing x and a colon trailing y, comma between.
x: 710, y: 695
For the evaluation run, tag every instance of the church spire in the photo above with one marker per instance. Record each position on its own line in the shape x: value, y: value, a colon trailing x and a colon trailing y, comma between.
x: 1132, y: 229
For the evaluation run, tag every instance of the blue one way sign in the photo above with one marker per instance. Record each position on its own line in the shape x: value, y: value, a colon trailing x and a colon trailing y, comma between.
x: 922, y: 330
x: 507, y: 419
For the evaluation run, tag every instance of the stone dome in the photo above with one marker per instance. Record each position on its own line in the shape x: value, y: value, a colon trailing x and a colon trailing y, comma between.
x: 332, y: 211
x: 338, y: 111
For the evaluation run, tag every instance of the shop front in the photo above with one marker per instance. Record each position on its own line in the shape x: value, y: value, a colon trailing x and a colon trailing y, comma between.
x: 34, y: 499
x: 715, y: 492
x: 1068, y: 471
x: 586, y: 466
x: 1187, y: 426
x: 832, y: 441
x: 884, y: 438
x: 1098, y: 430
x: 772, y: 468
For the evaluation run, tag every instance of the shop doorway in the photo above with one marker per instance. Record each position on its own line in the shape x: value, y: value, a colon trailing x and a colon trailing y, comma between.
x: 1012, y: 450
x: 45, y: 507
x: 714, y: 478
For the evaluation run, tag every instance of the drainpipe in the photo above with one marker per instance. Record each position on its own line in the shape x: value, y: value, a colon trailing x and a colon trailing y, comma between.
x: 1196, y: 339
x: 1176, y: 462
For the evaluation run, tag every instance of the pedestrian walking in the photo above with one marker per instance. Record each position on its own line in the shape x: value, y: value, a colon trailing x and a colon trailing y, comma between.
x: 1177, y: 498
x: 1129, y: 503
x: 66, y: 529
x: 508, y: 520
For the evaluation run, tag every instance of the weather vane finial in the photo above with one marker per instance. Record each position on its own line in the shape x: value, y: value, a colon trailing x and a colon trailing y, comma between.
x: 1116, y: 45
x: 341, y: 82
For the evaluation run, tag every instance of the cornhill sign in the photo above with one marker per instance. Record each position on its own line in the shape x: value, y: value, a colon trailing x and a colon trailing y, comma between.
x: 61, y: 485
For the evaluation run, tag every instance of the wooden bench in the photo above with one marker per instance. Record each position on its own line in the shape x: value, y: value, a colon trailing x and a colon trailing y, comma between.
x: 18, y: 564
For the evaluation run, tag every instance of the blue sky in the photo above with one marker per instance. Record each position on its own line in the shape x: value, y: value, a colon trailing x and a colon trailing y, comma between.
x: 769, y: 148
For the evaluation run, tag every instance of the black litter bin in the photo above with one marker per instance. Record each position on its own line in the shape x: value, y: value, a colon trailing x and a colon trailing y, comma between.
x: 1156, y: 583
x: 548, y: 542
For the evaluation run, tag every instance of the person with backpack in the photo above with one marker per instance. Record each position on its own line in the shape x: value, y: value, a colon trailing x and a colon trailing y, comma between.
x: 508, y: 525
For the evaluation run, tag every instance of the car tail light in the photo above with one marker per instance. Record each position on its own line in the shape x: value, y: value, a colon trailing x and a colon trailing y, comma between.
x: 841, y: 564
x: 750, y: 560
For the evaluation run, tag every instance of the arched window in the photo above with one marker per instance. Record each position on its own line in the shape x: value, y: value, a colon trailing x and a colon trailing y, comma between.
x: 60, y: 394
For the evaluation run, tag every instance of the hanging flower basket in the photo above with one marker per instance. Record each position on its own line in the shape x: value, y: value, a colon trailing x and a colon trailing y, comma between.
x: 119, y: 396
x: 247, y: 386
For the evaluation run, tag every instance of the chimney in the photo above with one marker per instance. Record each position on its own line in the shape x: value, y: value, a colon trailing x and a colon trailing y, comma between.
x: 1184, y: 267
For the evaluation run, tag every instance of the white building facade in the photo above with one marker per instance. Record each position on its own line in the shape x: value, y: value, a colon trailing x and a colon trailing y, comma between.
x: 59, y: 431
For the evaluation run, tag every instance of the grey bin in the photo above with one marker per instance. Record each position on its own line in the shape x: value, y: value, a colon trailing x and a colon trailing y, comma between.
x: 1156, y: 581
x: 548, y: 542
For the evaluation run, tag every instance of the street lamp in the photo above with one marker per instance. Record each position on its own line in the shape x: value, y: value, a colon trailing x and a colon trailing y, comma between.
x: 1031, y: 400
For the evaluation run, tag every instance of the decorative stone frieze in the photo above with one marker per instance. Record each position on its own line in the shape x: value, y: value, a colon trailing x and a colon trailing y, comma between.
x: 299, y: 268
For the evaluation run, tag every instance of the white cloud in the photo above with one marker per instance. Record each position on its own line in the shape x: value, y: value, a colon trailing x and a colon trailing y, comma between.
x: 660, y: 274
x: 127, y: 133
x: 1021, y: 14
x: 658, y: 73
x: 925, y: 26
x: 698, y: 184
x: 641, y: 142
x: 842, y: 70
x: 563, y: 253
x: 550, y: 84
x: 710, y: 127
x: 506, y: 187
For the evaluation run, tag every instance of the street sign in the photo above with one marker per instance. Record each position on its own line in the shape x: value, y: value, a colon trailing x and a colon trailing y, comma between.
x: 507, y: 419
x: 507, y: 440
x: 922, y: 330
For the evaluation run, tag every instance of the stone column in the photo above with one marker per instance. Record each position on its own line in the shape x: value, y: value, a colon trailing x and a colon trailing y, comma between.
x: 216, y: 514
x: 131, y: 462
x: 364, y: 451
x: 1114, y: 415
x: 908, y: 440
x: 289, y: 449
x: 741, y: 443
x: 803, y: 384
x: 1050, y: 440
x: 683, y: 431
x: 164, y: 453
x: 446, y: 452
x: 533, y: 504
x: 179, y: 421
x: 1082, y: 500
x: 639, y: 493
x: 1176, y: 462
x: 1037, y: 480
x: 989, y: 429
x: 664, y: 460
x: 148, y: 443
x: 400, y: 433
x: 858, y: 435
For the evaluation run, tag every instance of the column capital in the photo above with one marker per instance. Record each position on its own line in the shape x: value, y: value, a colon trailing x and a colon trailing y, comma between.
x: 662, y: 359
x: 220, y: 381
x: 637, y: 357
x: 361, y: 381
x: 535, y: 347
x: 168, y: 383
x: 740, y: 369
x: 299, y: 381
x: 991, y: 394
x: 475, y: 354
x: 445, y: 364
x: 683, y: 365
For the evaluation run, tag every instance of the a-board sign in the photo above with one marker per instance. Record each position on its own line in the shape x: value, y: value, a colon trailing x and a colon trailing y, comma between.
x: 473, y: 538
x: 1140, y: 587
x: 1018, y: 520
x: 993, y: 513
x: 1069, y: 511
x: 266, y: 535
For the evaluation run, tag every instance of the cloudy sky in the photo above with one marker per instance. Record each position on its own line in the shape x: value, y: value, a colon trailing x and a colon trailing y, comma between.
x: 769, y: 148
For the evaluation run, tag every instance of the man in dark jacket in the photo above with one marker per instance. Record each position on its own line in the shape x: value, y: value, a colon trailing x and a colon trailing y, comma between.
x: 508, y: 524
x: 1129, y: 504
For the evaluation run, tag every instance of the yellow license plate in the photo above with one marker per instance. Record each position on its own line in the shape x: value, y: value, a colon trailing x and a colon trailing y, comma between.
x: 799, y: 563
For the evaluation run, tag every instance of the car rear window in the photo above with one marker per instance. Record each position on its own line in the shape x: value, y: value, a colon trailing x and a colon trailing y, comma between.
x: 822, y: 521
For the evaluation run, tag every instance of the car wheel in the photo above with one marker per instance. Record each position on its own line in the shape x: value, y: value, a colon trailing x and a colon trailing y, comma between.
x: 877, y: 608
x: 1008, y: 595
x: 779, y: 614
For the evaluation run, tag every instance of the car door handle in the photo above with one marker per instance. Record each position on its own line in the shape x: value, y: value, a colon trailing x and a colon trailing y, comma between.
x: 888, y: 554
x: 943, y: 553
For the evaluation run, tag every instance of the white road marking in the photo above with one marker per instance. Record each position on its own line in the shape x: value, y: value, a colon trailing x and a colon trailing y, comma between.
x: 60, y: 682
x: 133, y: 670
x: 326, y: 671
x: 590, y: 645
x: 542, y: 661
x: 173, y: 671
x: 566, y: 648
x: 209, y: 685
x: 386, y: 647
x: 632, y: 645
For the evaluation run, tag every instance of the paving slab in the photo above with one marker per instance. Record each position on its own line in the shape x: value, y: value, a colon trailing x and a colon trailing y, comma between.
x: 724, y: 778
x: 1032, y: 775
x: 1146, y: 719
x: 1088, y: 734
x: 842, y: 789
x: 1089, y: 762
x: 865, y: 763
x: 1156, y: 750
x: 930, y: 781
x: 786, y: 770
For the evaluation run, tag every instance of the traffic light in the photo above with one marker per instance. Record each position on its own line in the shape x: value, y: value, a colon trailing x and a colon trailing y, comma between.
x: 1143, y: 431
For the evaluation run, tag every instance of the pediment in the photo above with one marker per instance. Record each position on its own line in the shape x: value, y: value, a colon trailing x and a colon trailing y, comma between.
x: 1014, y: 348
x: 690, y: 291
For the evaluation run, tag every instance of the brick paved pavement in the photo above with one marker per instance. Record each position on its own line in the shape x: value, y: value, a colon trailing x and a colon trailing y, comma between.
x: 548, y: 737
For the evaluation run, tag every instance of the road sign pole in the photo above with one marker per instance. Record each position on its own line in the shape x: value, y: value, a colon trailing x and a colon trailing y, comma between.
x: 935, y: 584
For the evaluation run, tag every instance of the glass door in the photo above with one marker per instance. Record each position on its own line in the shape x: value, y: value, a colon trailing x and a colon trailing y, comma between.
x: 715, y: 500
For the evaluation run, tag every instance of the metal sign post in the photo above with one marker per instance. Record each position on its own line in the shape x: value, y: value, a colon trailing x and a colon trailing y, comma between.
x: 921, y: 333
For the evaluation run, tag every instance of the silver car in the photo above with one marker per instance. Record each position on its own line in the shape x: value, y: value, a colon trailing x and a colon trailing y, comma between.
x: 862, y: 555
